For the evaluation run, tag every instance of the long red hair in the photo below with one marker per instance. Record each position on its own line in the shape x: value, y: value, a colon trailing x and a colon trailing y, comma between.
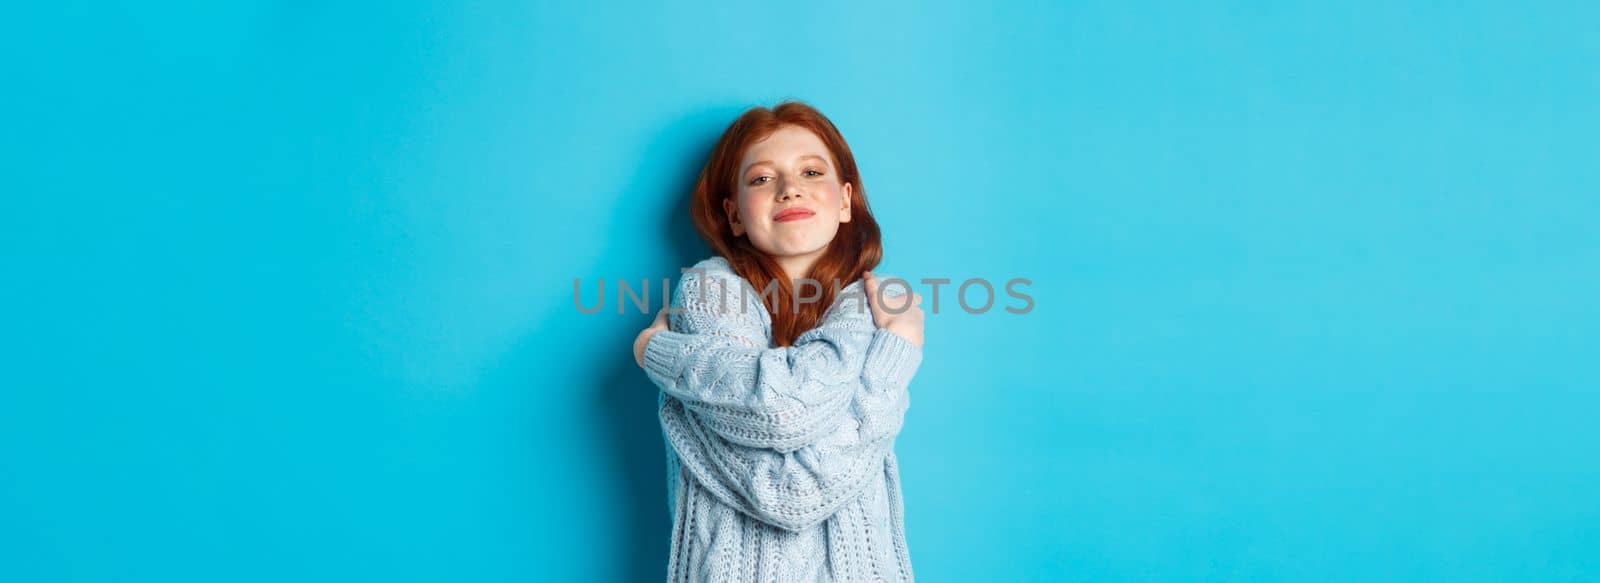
x: 856, y: 248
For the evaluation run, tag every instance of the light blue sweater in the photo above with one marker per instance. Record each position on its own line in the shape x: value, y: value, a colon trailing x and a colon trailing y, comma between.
x: 780, y: 460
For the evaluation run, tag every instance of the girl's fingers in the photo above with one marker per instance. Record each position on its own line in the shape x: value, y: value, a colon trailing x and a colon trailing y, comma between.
x: 880, y: 316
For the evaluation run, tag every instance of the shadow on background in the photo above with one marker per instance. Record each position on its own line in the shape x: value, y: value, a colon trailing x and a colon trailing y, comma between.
x: 624, y: 398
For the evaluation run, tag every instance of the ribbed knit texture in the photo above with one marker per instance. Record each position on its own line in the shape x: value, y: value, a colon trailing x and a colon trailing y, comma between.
x: 780, y: 460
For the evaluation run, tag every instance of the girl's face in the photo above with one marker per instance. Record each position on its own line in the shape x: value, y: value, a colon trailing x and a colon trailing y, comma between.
x: 790, y: 201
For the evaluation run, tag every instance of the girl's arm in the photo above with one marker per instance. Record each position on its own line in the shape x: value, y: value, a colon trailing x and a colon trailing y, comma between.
x: 716, y: 361
x: 791, y: 484
x: 799, y: 489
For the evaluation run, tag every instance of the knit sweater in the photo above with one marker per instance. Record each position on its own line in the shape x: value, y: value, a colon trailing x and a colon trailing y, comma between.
x: 780, y: 460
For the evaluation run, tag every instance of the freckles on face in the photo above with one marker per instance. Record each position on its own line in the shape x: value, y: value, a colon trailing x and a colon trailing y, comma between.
x: 790, y: 170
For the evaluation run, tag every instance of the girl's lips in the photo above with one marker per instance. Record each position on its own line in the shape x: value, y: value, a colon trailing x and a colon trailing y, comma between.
x: 793, y: 214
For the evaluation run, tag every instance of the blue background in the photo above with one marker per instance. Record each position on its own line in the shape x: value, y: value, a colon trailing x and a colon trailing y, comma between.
x: 290, y: 284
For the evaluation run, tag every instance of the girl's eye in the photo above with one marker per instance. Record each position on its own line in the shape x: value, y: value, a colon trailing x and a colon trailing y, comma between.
x: 759, y: 179
x: 818, y: 173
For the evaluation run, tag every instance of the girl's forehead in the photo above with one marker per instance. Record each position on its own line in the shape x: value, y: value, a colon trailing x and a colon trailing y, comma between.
x: 787, y: 138
x: 793, y: 147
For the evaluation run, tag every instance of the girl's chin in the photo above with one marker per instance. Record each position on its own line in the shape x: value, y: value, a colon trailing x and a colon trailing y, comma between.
x: 789, y: 244
x: 793, y: 249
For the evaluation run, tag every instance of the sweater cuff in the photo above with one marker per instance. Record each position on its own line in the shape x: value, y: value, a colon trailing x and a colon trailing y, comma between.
x: 892, y: 358
x: 663, y: 355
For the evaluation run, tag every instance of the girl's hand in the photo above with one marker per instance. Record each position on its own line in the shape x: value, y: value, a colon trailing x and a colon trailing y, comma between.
x: 644, y: 336
x: 907, y: 324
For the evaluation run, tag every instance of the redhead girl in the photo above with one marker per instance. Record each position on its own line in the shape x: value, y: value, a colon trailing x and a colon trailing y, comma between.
x: 784, y: 367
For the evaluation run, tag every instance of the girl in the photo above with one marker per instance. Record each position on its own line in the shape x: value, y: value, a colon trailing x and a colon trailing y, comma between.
x: 780, y: 405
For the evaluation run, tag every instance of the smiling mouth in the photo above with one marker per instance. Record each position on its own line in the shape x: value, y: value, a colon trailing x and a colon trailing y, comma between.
x: 793, y: 214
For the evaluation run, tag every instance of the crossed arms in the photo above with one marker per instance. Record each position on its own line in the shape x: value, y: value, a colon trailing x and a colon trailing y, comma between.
x: 786, y: 435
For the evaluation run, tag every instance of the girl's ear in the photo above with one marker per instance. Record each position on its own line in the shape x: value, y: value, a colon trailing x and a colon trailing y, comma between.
x: 844, y: 204
x: 733, y: 216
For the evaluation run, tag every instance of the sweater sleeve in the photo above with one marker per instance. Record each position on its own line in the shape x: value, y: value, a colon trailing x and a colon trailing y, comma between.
x: 715, y: 359
x: 784, y: 435
x: 796, y: 490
